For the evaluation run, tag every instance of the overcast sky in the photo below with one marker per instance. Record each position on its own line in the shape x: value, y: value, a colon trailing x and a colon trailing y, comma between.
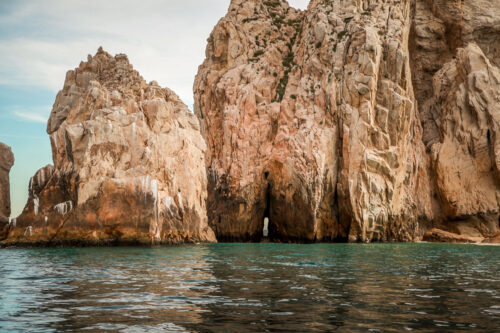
x: 40, y: 40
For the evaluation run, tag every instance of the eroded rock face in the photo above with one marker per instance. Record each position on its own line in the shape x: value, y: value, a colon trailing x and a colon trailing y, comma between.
x: 466, y: 159
x: 455, y: 59
x: 352, y: 120
x: 310, y: 119
x: 237, y: 99
x: 6, y: 163
x: 441, y: 236
x: 128, y: 164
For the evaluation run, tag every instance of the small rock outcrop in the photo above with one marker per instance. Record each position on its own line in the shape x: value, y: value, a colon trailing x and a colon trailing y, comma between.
x: 6, y: 163
x: 352, y: 120
x: 128, y: 164
x: 441, y: 236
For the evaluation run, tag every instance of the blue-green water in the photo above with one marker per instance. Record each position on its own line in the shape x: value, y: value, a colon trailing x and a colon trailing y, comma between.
x: 252, y: 288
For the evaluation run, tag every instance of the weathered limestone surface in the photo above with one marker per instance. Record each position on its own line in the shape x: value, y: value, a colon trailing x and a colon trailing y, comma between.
x: 6, y: 163
x: 455, y: 59
x: 352, y: 120
x: 466, y: 159
x: 128, y: 164
x: 441, y: 236
x: 495, y: 239
x: 316, y: 111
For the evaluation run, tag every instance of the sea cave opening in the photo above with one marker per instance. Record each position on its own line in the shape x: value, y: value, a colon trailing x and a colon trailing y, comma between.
x: 267, y: 211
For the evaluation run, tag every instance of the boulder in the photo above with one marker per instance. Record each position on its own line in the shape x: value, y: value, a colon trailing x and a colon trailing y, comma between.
x: 441, y: 236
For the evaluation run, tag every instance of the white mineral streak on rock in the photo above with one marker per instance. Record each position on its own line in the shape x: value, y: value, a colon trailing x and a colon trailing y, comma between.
x: 179, y: 198
x: 154, y: 190
x: 36, y: 205
x: 41, y: 176
x: 64, y: 208
x: 28, y: 231
x: 134, y: 131
x: 168, y: 201
x: 146, y: 185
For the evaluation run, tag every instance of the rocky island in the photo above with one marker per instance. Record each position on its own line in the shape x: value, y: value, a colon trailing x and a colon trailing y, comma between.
x: 351, y: 121
x: 128, y: 164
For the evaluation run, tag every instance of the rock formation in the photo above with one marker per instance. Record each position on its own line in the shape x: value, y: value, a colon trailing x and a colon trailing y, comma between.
x: 128, y: 164
x: 6, y: 163
x: 317, y: 113
x: 352, y: 120
x: 441, y: 236
x: 455, y: 53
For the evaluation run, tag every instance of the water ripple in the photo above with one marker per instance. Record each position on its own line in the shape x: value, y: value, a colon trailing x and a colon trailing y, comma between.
x: 252, y: 288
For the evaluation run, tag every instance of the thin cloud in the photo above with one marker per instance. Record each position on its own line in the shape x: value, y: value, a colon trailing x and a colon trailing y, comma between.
x: 164, y: 39
x: 35, y: 114
x: 39, y: 41
x: 30, y: 116
x: 13, y: 136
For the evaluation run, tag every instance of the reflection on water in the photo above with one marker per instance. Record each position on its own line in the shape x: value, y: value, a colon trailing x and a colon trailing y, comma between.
x: 252, y: 288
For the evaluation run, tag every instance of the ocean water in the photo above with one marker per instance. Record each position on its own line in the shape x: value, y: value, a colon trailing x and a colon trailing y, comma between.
x: 252, y: 288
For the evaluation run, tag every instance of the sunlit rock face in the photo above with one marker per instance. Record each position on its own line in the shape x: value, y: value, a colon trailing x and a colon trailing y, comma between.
x: 311, y: 116
x: 344, y: 121
x: 6, y: 163
x: 350, y: 121
x: 128, y: 164
x: 455, y: 52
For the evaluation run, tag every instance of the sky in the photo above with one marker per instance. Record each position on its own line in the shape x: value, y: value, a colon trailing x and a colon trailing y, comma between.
x: 41, y: 40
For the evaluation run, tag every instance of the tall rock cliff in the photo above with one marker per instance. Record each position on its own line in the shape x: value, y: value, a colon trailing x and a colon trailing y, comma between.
x: 455, y: 50
x: 128, y: 164
x: 346, y: 121
x: 354, y: 120
x: 6, y: 163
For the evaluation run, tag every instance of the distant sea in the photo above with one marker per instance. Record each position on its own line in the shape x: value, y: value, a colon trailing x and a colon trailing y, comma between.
x: 252, y: 288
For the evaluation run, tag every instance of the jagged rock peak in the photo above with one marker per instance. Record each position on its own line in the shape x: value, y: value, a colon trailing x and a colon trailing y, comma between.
x: 116, y: 75
x: 128, y: 164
